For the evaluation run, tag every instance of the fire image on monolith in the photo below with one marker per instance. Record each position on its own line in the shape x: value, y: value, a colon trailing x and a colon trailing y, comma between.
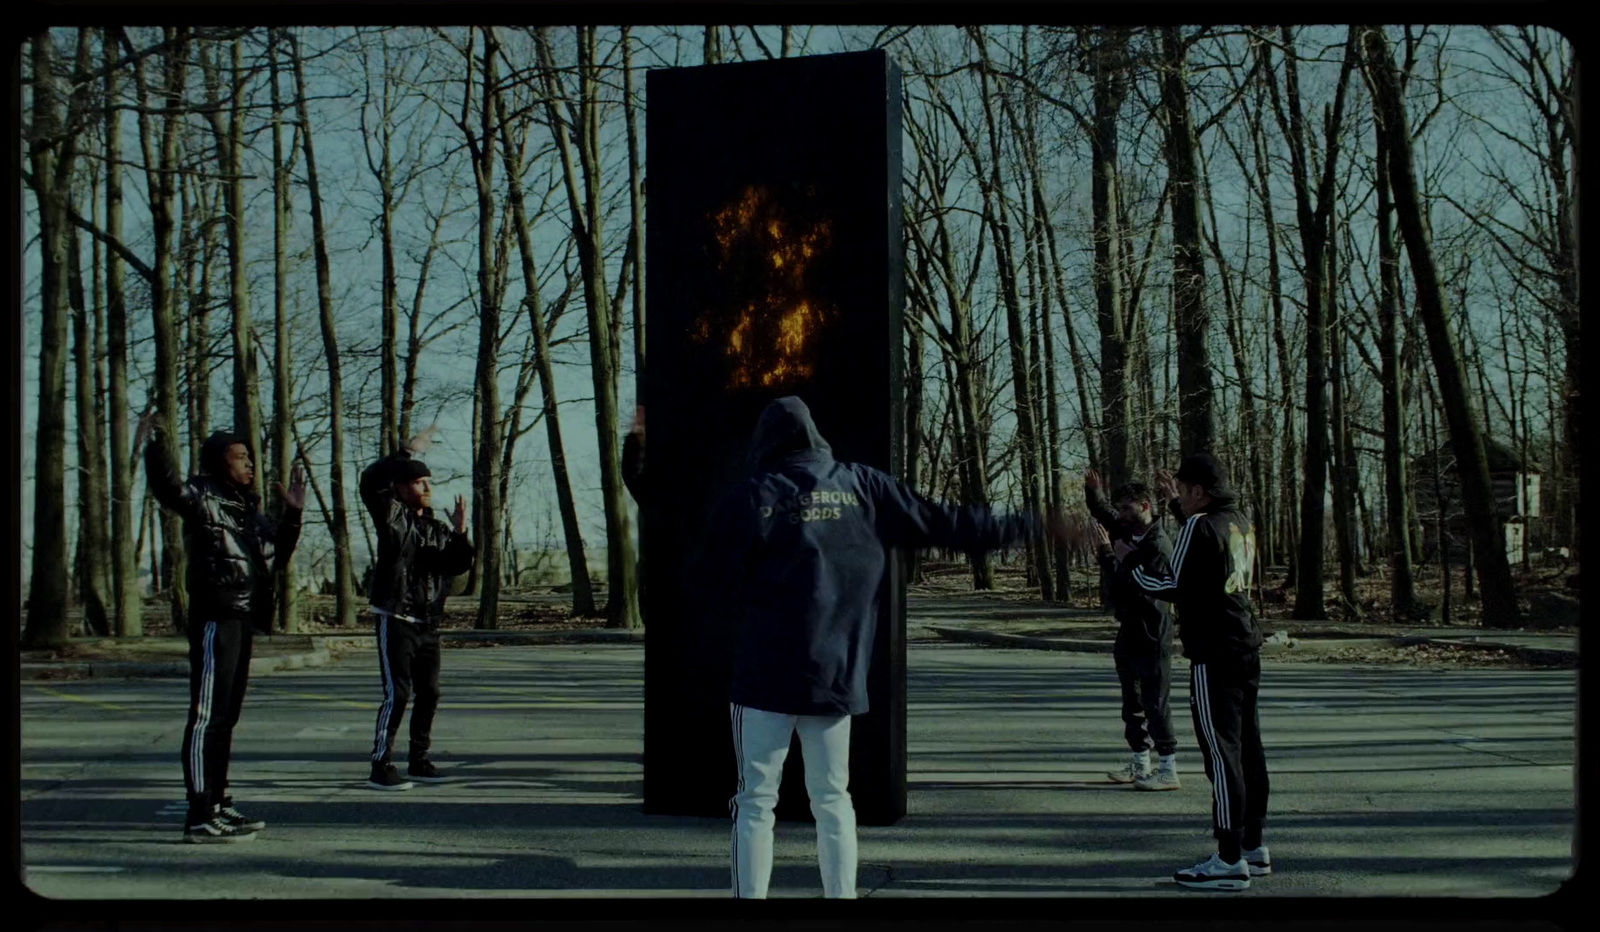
x: 774, y: 266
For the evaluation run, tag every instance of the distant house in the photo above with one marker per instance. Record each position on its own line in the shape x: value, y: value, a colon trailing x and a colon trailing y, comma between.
x: 1516, y: 491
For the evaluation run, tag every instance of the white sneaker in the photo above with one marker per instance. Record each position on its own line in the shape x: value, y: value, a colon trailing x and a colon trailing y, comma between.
x: 1158, y: 779
x: 1215, y: 874
x: 1260, y: 861
x: 1131, y: 773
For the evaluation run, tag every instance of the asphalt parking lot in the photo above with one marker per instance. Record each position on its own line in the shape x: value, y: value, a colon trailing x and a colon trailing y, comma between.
x: 1386, y: 781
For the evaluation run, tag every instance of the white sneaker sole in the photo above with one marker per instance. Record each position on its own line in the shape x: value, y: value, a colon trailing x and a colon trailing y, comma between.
x: 1216, y: 883
x: 1260, y: 870
x: 1121, y: 776
x: 1157, y: 787
x: 374, y: 785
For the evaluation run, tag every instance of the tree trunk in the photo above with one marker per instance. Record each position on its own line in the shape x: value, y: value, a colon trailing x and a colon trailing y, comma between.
x: 1313, y: 223
x: 486, y: 460
x: 161, y: 183
x: 125, y: 587
x: 1116, y: 413
x: 98, y: 460
x: 282, y: 403
x: 246, y: 378
x: 1343, y: 494
x: 1196, y: 424
x: 577, y: 562
x: 636, y: 208
x: 622, y: 598
x: 999, y: 221
x: 343, y: 574
x: 1500, y: 607
x: 92, y: 544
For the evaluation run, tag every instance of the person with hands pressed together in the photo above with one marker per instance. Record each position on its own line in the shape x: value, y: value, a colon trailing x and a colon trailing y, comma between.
x: 1143, y: 648
x: 234, y: 552
x: 417, y: 556
x: 1213, y: 564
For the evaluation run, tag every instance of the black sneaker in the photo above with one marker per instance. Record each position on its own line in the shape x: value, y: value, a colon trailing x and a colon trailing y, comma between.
x: 214, y: 831
x: 386, y: 777
x: 423, y: 771
x: 228, y: 815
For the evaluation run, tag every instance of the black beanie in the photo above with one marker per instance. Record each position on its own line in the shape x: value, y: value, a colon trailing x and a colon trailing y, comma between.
x: 1203, y: 470
x: 410, y: 470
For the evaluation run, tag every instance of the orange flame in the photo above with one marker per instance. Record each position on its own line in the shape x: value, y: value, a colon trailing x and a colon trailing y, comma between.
x: 771, y: 340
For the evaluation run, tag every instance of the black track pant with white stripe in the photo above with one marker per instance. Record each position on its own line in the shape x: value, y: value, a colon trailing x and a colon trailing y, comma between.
x: 408, y: 662
x: 1227, y: 726
x: 219, y: 670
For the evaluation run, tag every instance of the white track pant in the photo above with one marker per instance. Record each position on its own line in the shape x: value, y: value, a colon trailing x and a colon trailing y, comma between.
x: 760, y: 744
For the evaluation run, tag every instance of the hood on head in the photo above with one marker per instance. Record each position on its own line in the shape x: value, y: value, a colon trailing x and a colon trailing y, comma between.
x: 785, y: 427
x: 214, y: 453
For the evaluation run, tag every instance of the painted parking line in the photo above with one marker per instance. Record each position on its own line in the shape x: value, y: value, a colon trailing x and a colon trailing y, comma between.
x: 84, y: 699
x: 74, y: 869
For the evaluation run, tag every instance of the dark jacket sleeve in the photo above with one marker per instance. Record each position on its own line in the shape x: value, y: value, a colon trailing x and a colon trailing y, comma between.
x: 1100, y: 507
x: 1194, y: 552
x: 377, y: 493
x: 166, y: 486
x: 633, y: 466
x: 905, y: 518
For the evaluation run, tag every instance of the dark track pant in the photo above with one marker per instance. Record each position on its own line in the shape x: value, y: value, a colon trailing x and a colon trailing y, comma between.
x: 1146, y: 713
x: 408, y: 662
x: 1227, y: 725
x: 219, y: 669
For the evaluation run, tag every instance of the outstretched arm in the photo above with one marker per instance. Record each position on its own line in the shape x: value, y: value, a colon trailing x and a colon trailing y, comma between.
x: 906, y: 518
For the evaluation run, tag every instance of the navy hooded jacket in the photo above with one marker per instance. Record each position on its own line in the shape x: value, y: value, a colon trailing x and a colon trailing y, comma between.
x: 799, y: 554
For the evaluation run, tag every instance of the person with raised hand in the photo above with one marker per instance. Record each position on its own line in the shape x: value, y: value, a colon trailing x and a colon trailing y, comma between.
x: 234, y: 553
x: 1212, y: 567
x: 417, y: 555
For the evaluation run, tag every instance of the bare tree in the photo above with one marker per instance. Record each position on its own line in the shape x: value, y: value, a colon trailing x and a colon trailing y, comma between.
x: 580, y: 131
x: 540, y: 332
x: 89, y: 564
x: 128, y: 607
x: 161, y: 161
x: 1196, y: 424
x: 1313, y: 224
x: 344, y: 575
x: 1500, y: 607
x: 282, y: 352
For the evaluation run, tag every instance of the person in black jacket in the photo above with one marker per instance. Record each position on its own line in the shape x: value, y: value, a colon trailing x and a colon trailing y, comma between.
x: 1213, y: 563
x: 798, y: 553
x: 234, y: 551
x: 417, y: 555
x: 1143, y: 648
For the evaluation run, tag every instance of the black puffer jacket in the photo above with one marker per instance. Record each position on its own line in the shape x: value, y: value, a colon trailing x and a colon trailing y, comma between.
x: 417, y: 553
x: 233, y: 548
